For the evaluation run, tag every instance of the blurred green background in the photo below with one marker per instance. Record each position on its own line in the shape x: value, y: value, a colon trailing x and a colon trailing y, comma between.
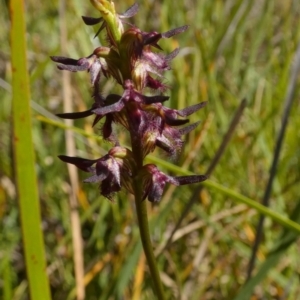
x: 233, y: 49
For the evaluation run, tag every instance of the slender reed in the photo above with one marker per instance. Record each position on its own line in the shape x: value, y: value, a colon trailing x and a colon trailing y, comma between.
x: 24, y: 161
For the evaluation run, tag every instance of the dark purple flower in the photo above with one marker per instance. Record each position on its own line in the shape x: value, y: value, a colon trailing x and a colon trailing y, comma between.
x: 134, y: 41
x: 155, y: 181
x: 170, y: 116
x: 141, y: 62
x: 158, y: 130
x: 91, y: 64
x: 151, y: 64
x: 113, y: 171
x: 170, y: 138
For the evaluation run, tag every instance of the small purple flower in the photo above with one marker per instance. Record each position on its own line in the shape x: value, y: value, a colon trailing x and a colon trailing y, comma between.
x: 159, y: 128
x: 155, y: 181
x: 112, y: 171
x: 91, y: 64
x: 136, y: 42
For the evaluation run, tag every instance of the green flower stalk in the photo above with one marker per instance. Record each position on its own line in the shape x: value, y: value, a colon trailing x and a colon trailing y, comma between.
x: 113, y: 23
x: 130, y: 59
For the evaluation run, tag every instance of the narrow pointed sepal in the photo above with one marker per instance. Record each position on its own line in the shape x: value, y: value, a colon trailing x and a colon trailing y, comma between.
x: 81, y: 163
x: 174, y: 31
x: 155, y: 99
x: 154, y: 181
x: 116, y: 107
x: 188, y: 129
x: 76, y: 115
x: 130, y: 12
x: 191, y: 109
x: 90, y: 21
x: 183, y: 180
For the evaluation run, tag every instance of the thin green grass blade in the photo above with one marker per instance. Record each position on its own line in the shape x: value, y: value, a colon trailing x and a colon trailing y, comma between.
x: 7, y: 280
x: 126, y: 272
x: 234, y: 195
x: 209, y: 184
x: 286, y: 239
x: 24, y: 159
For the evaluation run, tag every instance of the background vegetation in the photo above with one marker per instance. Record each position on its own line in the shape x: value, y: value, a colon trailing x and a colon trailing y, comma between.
x: 234, y: 49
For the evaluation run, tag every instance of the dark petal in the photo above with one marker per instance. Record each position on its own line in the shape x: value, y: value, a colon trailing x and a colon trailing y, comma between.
x: 172, y: 32
x: 100, y: 29
x: 102, y: 166
x: 154, y: 99
x: 81, y: 65
x: 95, y: 178
x: 191, y: 109
x: 91, y: 21
x: 110, y: 168
x: 92, y: 179
x: 172, y: 55
x: 112, y: 98
x: 109, y: 109
x: 182, y: 180
x: 76, y: 115
x: 156, y: 46
x: 72, y: 68
x: 108, y: 188
x: 152, y: 38
x: 97, y: 119
x: 155, y: 195
x: 130, y: 12
x: 159, y: 180
x: 147, y: 182
x: 175, y: 122
x: 81, y: 163
x: 155, y: 84
x: 107, y: 127
x: 156, y: 191
x: 188, y: 129
x: 64, y: 60
x: 165, y: 146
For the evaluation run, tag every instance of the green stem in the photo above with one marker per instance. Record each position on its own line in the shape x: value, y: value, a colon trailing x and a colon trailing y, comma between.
x: 107, y: 10
x: 141, y: 210
x: 24, y: 160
